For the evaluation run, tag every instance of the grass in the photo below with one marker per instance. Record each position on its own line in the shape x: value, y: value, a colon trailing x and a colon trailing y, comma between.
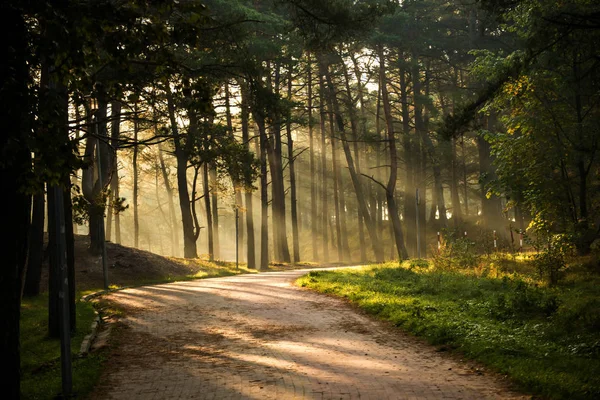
x: 40, y: 355
x: 547, y: 339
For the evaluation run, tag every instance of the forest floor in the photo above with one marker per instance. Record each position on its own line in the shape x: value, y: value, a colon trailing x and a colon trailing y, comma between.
x: 258, y: 336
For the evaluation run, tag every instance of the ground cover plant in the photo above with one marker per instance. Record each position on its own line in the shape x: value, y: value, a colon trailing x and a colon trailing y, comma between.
x: 501, y: 312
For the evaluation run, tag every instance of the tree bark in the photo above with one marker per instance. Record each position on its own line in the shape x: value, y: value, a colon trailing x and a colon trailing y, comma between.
x: 209, y: 216
x: 181, y: 156
x: 274, y: 153
x: 355, y: 137
x: 311, y: 144
x: 213, y: 186
x: 264, y: 218
x: 15, y: 165
x: 136, y: 217
x: 421, y: 133
x: 391, y: 185
x: 171, y: 204
x: 294, y: 199
x: 94, y: 181
x: 114, y: 181
x: 324, y: 195
x: 35, y: 256
x: 244, y: 113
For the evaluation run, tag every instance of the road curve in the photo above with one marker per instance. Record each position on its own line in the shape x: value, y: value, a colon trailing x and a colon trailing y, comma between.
x: 259, y: 337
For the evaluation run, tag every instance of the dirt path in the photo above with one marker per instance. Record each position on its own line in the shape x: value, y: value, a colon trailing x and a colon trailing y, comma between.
x: 259, y: 337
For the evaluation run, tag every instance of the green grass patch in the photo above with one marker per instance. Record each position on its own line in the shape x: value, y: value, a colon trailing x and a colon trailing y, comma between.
x: 40, y: 355
x: 547, y: 339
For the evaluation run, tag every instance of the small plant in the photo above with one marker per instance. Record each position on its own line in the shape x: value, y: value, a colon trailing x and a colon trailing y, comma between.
x: 456, y: 253
x: 418, y: 263
x: 551, y: 259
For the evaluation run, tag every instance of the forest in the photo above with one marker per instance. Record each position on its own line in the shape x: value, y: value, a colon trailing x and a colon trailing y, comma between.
x: 289, y: 131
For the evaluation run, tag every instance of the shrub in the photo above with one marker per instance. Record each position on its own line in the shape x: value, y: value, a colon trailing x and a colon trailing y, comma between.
x: 456, y: 252
x: 551, y: 260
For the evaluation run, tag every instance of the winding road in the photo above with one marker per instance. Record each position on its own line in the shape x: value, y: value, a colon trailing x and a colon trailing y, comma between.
x: 260, y: 337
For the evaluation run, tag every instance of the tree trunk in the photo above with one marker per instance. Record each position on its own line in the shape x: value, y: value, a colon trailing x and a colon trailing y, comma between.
x: 35, y: 255
x: 336, y: 189
x: 15, y: 165
x: 311, y: 144
x: 264, y: 219
x: 355, y: 137
x: 491, y: 208
x: 136, y: 218
x: 391, y: 185
x: 189, y: 236
x: 114, y: 181
x: 214, y: 185
x: 209, y: 217
x: 70, y: 245
x: 172, y: 216
x: 58, y: 130
x: 251, y: 254
x: 456, y: 210
x: 324, y: 195
x: 236, y: 185
x: 409, y: 163
x: 274, y: 153
x: 95, y: 177
x: 421, y: 133
x: 294, y: 199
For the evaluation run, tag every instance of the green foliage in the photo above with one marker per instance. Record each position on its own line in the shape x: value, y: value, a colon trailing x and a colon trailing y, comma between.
x: 553, y: 250
x: 456, y: 251
x: 545, y: 338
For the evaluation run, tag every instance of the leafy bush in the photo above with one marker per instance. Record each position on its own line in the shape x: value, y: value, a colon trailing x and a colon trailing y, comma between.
x: 522, y: 300
x: 551, y: 259
x: 456, y: 252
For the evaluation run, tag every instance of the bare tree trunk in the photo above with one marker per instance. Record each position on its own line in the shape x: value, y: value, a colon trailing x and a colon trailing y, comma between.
x: 275, y: 152
x: 324, y: 195
x: 409, y: 162
x: 391, y: 185
x: 214, y: 186
x: 456, y: 210
x: 250, y: 246
x: 14, y: 119
x: 94, y: 182
x: 35, y: 255
x: 313, y: 193
x: 336, y: 199
x: 171, y: 204
x: 290, y: 146
x: 236, y: 185
x: 209, y: 219
x: 115, y: 132
x: 355, y: 137
x: 136, y: 218
x: 264, y: 226
x: 189, y: 236
x: 421, y: 133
